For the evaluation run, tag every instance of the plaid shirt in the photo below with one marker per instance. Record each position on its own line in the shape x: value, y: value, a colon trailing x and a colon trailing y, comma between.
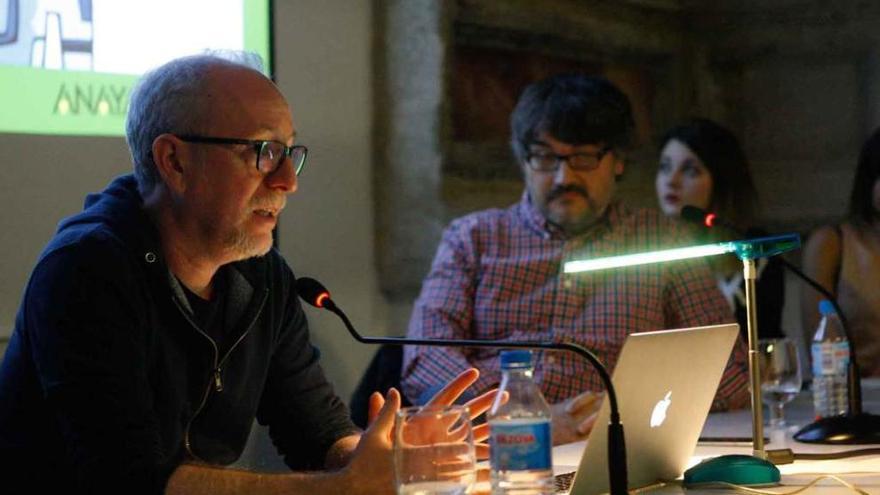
x: 497, y: 275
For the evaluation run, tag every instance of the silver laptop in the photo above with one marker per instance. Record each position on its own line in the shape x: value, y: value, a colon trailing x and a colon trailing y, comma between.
x: 665, y: 383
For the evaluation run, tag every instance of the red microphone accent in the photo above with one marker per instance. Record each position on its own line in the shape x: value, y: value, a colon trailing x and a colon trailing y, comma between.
x: 709, y: 220
x: 319, y: 301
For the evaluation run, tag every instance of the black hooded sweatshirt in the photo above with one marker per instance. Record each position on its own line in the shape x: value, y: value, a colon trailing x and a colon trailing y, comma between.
x: 108, y: 384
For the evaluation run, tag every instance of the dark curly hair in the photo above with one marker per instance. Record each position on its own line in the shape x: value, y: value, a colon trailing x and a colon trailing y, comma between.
x: 573, y: 108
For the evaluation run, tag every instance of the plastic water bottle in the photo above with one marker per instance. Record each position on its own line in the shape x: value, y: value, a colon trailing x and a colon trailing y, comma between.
x: 519, y: 432
x: 830, y: 352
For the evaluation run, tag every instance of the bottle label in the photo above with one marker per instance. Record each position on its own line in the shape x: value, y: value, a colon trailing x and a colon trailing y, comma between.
x: 520, y: 445
x: 830, y: 358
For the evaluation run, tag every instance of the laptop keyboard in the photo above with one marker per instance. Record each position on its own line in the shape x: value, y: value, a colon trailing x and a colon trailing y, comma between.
x: 563, y: 482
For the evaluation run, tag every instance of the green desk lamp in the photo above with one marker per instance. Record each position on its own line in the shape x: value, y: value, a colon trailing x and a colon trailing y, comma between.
x: 752, y: 469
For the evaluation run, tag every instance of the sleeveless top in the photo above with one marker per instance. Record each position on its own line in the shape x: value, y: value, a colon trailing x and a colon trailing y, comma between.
x: 858, y: 293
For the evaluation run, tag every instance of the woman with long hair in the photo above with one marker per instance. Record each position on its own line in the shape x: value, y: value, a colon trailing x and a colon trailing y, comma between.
x: 702, y: 164
x: 845, y: 259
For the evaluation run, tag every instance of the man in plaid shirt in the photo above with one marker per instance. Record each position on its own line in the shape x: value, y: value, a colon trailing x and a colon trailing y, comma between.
x: 497, y: 273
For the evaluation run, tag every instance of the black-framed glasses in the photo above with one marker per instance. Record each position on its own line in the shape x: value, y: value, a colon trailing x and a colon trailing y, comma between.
x: 545, y: 161
x: 270, y: 154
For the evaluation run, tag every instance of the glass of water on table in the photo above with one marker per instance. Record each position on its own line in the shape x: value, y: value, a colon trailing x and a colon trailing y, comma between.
x: 434, y: 451
x: 781, y: 377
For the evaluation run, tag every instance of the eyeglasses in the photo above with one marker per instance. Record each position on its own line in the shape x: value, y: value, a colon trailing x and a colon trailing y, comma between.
x: 270, y: 154
x: 543, y: 161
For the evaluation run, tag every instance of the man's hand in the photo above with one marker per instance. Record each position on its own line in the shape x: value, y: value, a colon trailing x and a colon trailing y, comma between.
x: 448, y: 395
x: 573, y: 419
x: 371, y: 470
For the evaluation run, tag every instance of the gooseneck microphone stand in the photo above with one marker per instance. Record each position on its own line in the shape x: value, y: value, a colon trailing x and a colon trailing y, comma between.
x: 314, y: 293
x: 855, y: 427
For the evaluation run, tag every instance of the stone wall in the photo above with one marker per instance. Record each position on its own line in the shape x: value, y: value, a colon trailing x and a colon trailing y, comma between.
x: 799, y: 82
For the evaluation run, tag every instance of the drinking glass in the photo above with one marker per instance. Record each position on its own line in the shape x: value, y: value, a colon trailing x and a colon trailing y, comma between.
x: 780, y: 376
x: 434, y: 451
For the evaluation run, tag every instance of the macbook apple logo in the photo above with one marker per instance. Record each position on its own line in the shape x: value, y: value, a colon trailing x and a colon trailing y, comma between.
x: 658, y: 416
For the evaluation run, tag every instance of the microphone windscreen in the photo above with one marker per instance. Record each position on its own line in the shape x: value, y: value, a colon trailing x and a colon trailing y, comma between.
x: 312, y: 291
x: 693, y: 214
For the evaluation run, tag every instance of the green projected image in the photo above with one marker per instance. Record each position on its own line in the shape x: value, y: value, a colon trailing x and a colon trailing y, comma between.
x: 67, y: 66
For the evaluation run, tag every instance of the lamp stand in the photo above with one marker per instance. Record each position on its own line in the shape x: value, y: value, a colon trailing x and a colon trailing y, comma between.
x: 755, y: 469
x: 749, y: 275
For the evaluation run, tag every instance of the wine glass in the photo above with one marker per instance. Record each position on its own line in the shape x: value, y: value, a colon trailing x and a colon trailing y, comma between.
x: 433, y: 451
x: 780, y: 376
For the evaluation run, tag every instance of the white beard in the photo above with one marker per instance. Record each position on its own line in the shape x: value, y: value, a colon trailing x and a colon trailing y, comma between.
x: 244, y: 246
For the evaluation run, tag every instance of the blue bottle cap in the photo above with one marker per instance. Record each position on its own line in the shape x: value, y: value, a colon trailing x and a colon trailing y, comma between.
x: 516, y: 359
x: 826, y: 307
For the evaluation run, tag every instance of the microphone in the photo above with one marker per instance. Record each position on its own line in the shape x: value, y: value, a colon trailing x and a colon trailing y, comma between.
x: 856, y: 427
x: 710, y: 220
x: 699, y: 215
x: 314, y: 293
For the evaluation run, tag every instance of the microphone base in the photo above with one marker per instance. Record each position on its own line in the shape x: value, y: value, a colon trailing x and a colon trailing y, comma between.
x: 737, y: 469
x: 846, y: 429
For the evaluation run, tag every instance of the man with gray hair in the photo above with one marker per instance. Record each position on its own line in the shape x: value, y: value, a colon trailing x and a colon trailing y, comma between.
x: 159, y: 322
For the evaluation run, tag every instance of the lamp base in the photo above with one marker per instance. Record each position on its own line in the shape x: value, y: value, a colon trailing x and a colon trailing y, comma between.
x: 737, y: 469
x: 847, y: 429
